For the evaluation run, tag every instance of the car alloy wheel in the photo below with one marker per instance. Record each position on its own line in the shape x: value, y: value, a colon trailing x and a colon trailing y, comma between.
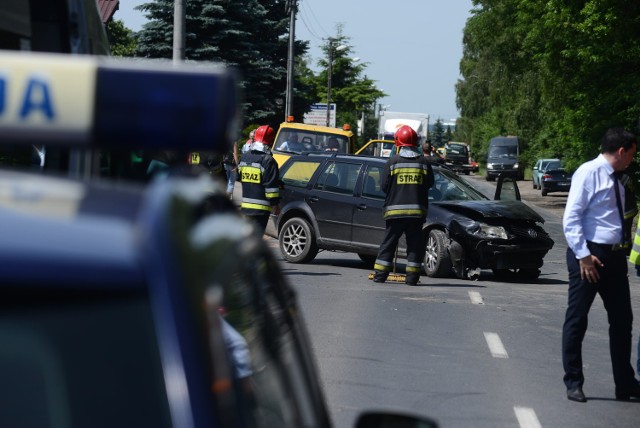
x: 297, y: 241
x: 437, y: 262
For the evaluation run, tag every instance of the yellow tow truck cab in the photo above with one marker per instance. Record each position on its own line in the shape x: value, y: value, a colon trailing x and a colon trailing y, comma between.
x: 297, y: 138
x: 378, y: 148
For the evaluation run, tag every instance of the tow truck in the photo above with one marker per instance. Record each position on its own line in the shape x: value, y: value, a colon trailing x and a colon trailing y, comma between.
x: 140, y: 303
x: 297, y: 138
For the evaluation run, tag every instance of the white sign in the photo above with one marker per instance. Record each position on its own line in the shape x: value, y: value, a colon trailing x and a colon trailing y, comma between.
x: 318, y: 115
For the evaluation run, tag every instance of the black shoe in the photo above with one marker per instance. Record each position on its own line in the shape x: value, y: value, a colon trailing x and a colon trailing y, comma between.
x: 412, y: 279
x: 628, y: 393
x: 576, y: 394
x: 380, y: 277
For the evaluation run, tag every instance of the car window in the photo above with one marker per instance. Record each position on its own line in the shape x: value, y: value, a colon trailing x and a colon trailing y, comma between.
x: 339, y: 177
x: 449, y: 187
x: 299, y: 173
x: 553, y: 165
x: 379, y: 149
x: 372, y: 183
x: 305, y: 141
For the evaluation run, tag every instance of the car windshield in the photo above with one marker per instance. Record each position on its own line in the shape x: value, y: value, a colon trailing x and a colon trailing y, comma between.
x: 449, y: 187
x: 553, y: 165
x: 457, y: 149
x: 503, y: 152
x: 305, y: 141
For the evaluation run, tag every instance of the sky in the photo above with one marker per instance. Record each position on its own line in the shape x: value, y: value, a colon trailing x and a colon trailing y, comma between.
x: 412, y: 48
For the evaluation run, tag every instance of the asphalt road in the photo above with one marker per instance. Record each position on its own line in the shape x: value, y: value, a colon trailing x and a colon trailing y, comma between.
x: 466, y: 353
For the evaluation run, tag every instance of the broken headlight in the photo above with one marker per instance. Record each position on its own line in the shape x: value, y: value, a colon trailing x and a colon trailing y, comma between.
x: 492, y: 232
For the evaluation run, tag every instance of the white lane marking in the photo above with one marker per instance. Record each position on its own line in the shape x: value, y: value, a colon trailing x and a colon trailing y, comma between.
x: 476, y: 298
x: 527, y: 417
x: 495, y: 345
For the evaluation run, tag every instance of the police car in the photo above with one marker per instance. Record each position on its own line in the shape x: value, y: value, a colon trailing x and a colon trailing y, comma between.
x: 132, y: 304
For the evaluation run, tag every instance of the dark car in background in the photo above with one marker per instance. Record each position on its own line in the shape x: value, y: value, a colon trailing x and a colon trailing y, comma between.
x: 456, y: 157
x: 554, y: 178
x: 335, y: 203
x: 503, y: 158
x: 538, y: 170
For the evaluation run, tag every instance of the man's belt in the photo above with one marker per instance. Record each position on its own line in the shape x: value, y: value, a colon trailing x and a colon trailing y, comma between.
x: 622, y: 246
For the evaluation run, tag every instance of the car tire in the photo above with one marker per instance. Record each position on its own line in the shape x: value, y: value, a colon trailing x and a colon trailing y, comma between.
x: 437, y: 262
x: 367, y: 259
x: 543, y: 191
x: 516, y: 274
x: 297, y: 241
x: 490, y: 178
x: 533, y: 183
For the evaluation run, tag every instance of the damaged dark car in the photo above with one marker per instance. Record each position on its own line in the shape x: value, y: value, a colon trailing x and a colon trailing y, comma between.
x: 334, y: 203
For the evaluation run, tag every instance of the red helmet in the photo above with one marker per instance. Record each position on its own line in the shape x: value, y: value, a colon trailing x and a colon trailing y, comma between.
x: 405, y: 136
x: 265, y: 135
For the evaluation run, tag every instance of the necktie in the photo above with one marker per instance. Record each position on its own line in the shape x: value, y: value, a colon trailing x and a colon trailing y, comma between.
x: 619, y: 204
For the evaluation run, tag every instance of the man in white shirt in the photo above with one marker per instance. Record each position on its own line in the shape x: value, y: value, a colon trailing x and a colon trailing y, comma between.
x: 597, y: 264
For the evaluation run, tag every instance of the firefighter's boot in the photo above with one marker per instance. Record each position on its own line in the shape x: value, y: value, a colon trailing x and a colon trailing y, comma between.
x: 380, y: 276
x: 412, y: 278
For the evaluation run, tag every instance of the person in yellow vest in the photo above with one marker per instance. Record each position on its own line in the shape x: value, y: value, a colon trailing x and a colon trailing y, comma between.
x: 634, y: 257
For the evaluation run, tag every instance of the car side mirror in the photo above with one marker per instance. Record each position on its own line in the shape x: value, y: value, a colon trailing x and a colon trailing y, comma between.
x: 393, y: 420
x: 507, y: 189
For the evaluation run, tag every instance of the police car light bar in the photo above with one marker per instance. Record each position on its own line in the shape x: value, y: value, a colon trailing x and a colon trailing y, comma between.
x: 84, y: 101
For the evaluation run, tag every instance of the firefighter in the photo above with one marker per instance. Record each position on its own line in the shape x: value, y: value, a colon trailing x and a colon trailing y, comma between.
x: 259, y: 174
x: 406, y: 181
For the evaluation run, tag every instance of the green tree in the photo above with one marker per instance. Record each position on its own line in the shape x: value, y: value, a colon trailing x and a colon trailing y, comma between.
x: 437, y: 134
x: 557, y: 73
x: 249, y: 35
x: 122, y: 39
x: 351, y: 90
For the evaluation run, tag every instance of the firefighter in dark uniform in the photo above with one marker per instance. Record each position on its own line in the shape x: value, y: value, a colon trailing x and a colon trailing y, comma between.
x: 406, y: 180
x: 260, y: 179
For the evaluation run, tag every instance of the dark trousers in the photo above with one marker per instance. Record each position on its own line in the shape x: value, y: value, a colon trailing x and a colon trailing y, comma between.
x: 260, y: 221
x: 613, y: 288
x: 412, y: 229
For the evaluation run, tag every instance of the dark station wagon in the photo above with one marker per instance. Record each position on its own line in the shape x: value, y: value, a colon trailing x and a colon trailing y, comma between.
x: 334, y: 202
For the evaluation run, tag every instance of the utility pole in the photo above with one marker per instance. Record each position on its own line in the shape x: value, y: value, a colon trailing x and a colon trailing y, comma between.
x: 291, y: 8
x: 179, y: 19
x: 329, y: 72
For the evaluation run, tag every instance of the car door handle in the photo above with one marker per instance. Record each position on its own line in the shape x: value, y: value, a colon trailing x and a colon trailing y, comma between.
x: 313, y: 199
x: 362, y: 207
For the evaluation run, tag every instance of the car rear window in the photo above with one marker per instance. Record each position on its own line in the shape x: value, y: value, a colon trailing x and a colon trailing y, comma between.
x: 79, y: 359
x: 299, y: 173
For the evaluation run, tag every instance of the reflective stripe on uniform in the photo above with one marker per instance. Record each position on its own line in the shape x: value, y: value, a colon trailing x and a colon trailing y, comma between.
x: 255, y: 206
x: 404, y: 210
x: 272, y: 192
x: 396, y: 213
x: 634, y: 257
x: 382, y: 265
x: 410, y: 165
x: 255, y: 201
x: 403, y: 169
x: 414, y: 267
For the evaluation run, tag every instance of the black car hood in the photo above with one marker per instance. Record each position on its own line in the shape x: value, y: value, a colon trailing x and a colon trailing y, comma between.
x: 516, y: 210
